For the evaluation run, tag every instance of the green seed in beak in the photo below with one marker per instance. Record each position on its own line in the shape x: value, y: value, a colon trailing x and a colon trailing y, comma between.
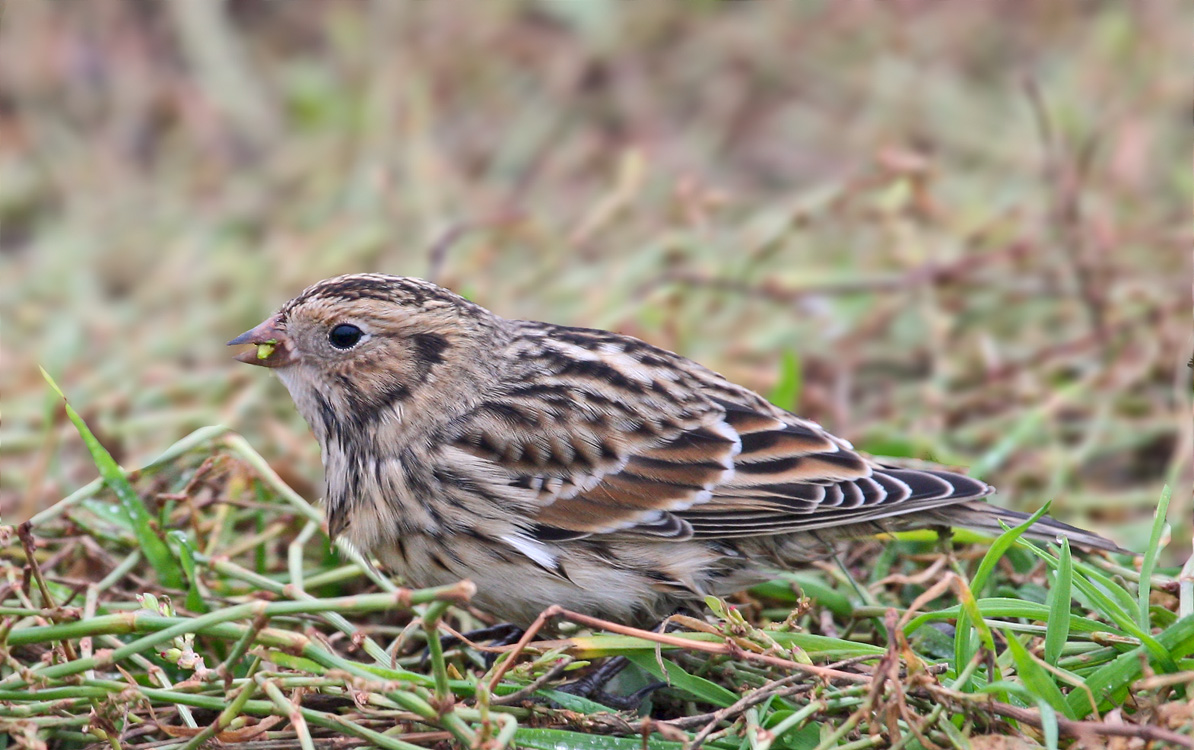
x: 266, y: 348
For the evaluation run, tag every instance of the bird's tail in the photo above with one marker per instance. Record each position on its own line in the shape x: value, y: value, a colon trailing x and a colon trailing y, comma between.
x: 982, y: 516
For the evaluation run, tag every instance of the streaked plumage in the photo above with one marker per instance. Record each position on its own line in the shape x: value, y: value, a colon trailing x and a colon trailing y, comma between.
x: 557, y: 465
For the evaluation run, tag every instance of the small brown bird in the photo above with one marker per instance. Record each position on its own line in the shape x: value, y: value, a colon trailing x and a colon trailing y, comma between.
x: 570, y: 466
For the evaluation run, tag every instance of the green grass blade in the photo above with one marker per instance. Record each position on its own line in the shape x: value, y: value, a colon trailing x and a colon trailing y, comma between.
x: 597, y: 646
x: 824, y: 646
x: 697, y: 687
x: 1095, y: 587
x: 1048, y: 715
x: 152, y: 545
x: 999, y: 548
x: 1124, y: 601
x: 560, y: 739
x: 811, y: 586
x: 186, y: 553
x: 1060, y: 616
x: 1019, y: 608
x: 782, y: 725
x: 1035, y: 677
x: 964, y: 649
x: 571, y: 702
x: 1150, y: 558
x: 1176, y: 641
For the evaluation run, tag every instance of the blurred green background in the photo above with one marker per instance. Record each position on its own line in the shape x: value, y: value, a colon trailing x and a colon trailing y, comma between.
x: 950, y: 231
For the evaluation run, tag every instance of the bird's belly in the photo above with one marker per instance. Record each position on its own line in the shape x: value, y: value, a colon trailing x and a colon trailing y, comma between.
x: 515, y: 589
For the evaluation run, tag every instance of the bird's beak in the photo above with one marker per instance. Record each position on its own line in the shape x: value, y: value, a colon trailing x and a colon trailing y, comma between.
x: 272, y: 347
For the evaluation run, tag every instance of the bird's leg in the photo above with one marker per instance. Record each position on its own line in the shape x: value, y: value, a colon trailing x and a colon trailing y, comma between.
x: 945, y: 538
x: 832, y: 550
x: 501, y: 634
x: 595, y: 680
x: 592, y: 684
x: 945, y: 543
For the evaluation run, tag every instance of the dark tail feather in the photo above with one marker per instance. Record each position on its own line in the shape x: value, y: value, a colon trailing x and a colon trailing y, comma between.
x: 983, y: 516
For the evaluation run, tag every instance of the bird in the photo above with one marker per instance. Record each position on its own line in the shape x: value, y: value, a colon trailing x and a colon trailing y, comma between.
x: 555, y: 465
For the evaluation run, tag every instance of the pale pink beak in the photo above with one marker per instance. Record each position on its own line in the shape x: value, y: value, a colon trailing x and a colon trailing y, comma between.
x: 272, y: 347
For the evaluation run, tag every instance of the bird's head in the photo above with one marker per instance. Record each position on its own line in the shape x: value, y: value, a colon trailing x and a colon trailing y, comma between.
x: 358, y: 351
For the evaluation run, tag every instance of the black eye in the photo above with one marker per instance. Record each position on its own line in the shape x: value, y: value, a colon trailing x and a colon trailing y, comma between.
x: 345, y: 336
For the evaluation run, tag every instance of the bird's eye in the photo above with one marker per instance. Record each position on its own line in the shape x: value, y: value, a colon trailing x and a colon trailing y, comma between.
x: 345, y: 336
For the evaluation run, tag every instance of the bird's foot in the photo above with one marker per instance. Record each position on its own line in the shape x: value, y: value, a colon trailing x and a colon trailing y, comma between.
x: 501, y: 634
x: 592, y: 686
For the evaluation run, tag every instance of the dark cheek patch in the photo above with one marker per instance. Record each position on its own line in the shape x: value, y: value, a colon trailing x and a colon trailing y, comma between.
x: 429, y: 347
x: 368, y: 403
x: 390, y: 394
x: 371, y: 395
x: 427, y: 351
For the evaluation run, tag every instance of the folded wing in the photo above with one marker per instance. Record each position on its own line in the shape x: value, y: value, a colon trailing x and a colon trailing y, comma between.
x: 634, y: 440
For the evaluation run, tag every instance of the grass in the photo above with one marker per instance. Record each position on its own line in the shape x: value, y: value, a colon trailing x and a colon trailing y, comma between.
x: 239, y: 624
x: 956, y: 233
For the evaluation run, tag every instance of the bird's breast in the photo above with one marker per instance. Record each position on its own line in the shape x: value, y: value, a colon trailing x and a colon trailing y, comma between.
x: 373, y: 499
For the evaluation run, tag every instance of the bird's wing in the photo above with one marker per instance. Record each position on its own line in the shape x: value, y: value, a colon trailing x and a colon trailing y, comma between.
x: 617, y: 436
x: 781, y: 486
